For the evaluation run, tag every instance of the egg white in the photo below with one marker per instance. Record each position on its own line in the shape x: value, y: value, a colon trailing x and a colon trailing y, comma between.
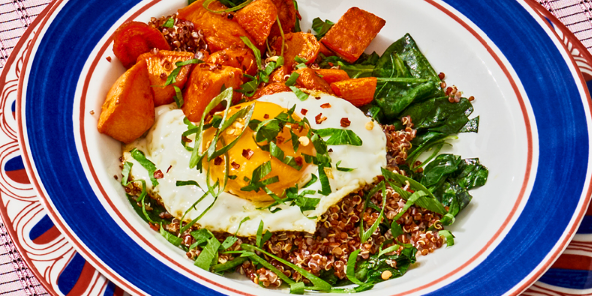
x: 162, y: 145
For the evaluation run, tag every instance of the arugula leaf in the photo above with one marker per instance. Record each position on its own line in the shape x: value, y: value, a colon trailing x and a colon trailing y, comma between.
x: 321, y: 27
x: 340, y: 136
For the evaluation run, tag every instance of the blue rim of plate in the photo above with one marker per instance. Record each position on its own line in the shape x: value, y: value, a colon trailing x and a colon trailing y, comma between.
x: 544, y: 74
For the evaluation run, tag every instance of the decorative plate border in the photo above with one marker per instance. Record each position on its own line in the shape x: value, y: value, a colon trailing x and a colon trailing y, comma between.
x: 50, y: 257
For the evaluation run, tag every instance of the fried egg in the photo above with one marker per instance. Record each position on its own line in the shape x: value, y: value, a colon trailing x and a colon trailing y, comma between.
x: 163, y: 146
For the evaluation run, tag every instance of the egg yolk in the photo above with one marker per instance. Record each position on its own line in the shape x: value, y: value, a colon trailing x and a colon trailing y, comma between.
x: 245, y: 156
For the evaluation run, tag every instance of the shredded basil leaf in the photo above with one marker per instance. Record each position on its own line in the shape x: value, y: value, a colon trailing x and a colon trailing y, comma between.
x: 170, y: 22
x: 146, y: 163
x: 316, y: 281
x: 186, y: 183
x: 175, y: 240
x: 340, y: 136
x: 299, y: 94
x: 207, y: 255
x: 342, y: 168
x: 292, y: 80
x: 448, y: 236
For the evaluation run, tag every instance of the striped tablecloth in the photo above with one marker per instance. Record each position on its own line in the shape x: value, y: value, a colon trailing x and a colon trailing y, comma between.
x: 17, y: 15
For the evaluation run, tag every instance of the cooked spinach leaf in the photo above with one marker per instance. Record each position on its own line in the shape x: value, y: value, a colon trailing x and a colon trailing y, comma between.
x: 321, y: 27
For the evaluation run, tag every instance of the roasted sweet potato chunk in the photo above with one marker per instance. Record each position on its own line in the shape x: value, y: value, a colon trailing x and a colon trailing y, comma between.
x: 132, y: 39
x: 354, y: 31
x: 304, y: 45
x: 309, y: 79
x: 160, y: 65
x: 238, y: 57
x: 257, y: 19
x: 219, y: 31
x: 128, y: 110
x: 287, y: 15
x: 205, y: 83
x: 332, y: 75
x: 279, y: 75
x: 358, y: 91
x: 270, y: 89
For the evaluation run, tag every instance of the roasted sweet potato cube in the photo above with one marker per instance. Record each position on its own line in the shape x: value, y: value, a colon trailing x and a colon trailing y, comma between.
x: 287, y: 15
x: 279, y: 75
x: 219, y: 31
x: 128, y: 110
x: 354, y: 31
x: 238, y: 57
x: 325, y: 51
x: 332, y: 75
x: 359, y: 91
x: 196, y: 10
x: 132, y: 39
x: 309, y: 79
x: 257, y: 19
x: 304, y: 45
x: 160, y: 65
x: 205, y: 83
x: 270, y: 89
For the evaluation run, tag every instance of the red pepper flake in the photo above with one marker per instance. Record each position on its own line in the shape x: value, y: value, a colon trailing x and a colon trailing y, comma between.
x: 345, y: 122
x: 109, y: 59
x: 330, y: 150
x: 471, y: 98
x: 170, y: 167
x: 235, y: 165
x: 279, y: 139
x: 115, y: 176
x: 185, y: 139
x: 326, y: 105
x: 441, y: 75
x: 303, y: 111
x: 248, y: 153
x: 154, y: 226
x: 331, y: 64
x: 218, y: 160
x: 299, y: 161
x: 320, y: 118
x: 266, y: 116
x: 163, y: 76
x: 318, y: 98
x: 158, y: 174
